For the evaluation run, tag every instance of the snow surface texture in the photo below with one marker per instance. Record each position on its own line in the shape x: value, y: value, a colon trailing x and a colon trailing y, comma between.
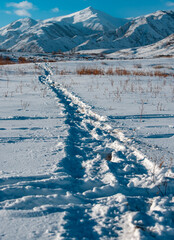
x: 88, y: 29
x: 142, y: 106
x: 87, y: 181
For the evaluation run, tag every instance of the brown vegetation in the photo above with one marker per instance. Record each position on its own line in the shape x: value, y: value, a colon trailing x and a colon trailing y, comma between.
x: 22, y: 60
x: 90, y: 71
x: 5, y: 60
x: 120, y: 72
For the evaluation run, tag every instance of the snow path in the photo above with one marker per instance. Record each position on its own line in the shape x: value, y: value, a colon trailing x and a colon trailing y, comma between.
x: 103, y: 188
x: 112, y: 178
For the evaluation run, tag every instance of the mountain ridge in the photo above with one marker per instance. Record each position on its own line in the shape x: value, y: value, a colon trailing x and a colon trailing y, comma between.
x: 164, y: 47
x: 86, y: 30
x: 93, y: 19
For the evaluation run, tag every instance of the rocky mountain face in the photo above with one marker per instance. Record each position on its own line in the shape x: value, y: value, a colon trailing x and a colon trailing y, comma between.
x: 86, y: 30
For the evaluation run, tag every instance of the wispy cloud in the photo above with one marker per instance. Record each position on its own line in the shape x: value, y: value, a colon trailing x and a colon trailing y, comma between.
x: 55, y: 10
x: 170, y: 4
x: 22, y: 12
x: 7, y: 12
x: 21, y: 8
x: 24, y: 5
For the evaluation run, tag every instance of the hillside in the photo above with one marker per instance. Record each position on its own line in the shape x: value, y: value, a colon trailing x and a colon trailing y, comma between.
x: 164, y: 47
x: 88, y: 29
x: 140, y: 31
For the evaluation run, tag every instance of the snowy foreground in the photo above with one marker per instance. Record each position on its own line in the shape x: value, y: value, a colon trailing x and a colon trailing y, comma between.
x: 86, y: 157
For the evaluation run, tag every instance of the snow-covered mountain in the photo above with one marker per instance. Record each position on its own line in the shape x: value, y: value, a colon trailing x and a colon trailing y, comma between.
x: 61, y: 33
x: 163, y: 47
x: 12, y: 33
x: 86, y: 30
x: 91, y: 18
x: 139, y: 31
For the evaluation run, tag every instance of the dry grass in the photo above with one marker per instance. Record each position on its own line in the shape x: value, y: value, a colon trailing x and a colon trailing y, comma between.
x: 110, y: 71
x: 63, y: 72
x: 162, y: 74
x: 90, y: 71
x: 151, y: 74
x: 121, y: 72
x: 22, y: 60
x: 5, y: 60
x: 158, y: 67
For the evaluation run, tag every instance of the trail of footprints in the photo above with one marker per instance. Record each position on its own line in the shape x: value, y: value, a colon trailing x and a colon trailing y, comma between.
x: 99, y: 183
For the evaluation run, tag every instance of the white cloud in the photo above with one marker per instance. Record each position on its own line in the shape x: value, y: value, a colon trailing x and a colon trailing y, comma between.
x: 22, y: 12
x: 7, y: 12
x: 170, y: 4
x: 22, y: 5
x: 21, y: 8
x: 55, y: 10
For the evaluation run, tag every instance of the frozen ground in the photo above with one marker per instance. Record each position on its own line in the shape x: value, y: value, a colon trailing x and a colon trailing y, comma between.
x: 86, y: 157
x: 140, y: 106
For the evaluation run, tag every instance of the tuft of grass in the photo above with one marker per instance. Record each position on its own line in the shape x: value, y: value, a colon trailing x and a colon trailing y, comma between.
x: 122, y: 72
x: 158, y: 66
x: 110, y: 71
x: 161, y: 74
x: 90, y: 71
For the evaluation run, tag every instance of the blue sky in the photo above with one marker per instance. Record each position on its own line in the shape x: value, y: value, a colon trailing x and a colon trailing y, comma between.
x: 43, y: 9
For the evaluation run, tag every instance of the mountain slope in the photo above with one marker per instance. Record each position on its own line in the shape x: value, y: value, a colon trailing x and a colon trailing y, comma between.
x: 92, y: 19
x: 61, y: 33
x: 164, y: 47
x: 43, y: 36
x: 149, y: 28
x: 140, y: 31
x: 11, y: 34
x: 48, y: 37
x: 86, y: 30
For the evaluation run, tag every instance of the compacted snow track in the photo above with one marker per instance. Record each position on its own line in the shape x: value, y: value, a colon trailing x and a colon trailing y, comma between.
x: 115, y: 183
x: 103, y: 188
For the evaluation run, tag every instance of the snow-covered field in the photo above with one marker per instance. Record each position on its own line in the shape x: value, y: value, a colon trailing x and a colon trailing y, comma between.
x: 84, y: 156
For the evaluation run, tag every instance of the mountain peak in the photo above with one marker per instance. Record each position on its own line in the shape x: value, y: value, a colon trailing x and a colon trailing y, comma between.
x: 91, y: 19
x: 23, y: 23
x: 157, y: 14
x: 89, y: 8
